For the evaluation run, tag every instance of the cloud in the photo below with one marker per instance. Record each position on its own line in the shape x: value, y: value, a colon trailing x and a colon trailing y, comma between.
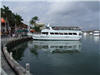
x: 32, y: 0
x: 28, y: 9
x: 84, y: 14
x: 69, y: 13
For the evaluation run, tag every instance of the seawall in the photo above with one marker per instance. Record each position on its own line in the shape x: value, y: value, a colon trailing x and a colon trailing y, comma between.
x: 11, y: 61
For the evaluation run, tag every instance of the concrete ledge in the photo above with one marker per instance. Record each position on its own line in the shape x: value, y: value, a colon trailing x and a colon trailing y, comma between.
x: 13, y: 63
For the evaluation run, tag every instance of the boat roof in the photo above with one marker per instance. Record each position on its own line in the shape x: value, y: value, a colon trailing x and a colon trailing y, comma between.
x: 65, y: 28
x: 48, y: 30
x: 60, y: 29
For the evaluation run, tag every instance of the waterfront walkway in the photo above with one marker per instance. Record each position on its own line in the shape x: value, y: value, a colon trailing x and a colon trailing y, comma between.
x: 5, y: 67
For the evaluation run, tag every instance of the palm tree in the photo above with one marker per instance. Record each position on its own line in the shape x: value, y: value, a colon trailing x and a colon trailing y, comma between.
x: 11, y: 18
x: 33, y: 22
x: 6, y: 13
x: 18, y: 20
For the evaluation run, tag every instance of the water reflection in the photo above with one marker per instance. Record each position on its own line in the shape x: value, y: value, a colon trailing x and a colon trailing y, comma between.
x: 18, y: 51
x: 96, y: 38
x: 55, y: 46
x: 61, y: 57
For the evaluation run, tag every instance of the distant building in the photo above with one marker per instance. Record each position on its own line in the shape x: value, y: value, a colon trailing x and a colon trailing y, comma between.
x: 23, y: 26
x: 65, y: 28
x: 5, y: 28
x: 41, y: 25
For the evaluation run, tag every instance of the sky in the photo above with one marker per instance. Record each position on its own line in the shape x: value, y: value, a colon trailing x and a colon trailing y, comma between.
x: 84, y: 14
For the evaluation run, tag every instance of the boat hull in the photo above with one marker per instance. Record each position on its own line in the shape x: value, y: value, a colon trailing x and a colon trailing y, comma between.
x: 48, y: 37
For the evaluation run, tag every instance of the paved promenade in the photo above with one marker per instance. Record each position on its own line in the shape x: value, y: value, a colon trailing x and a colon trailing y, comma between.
x: 5, y: 68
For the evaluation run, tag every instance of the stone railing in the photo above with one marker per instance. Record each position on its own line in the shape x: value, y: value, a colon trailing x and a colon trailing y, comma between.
x: 12, y: 62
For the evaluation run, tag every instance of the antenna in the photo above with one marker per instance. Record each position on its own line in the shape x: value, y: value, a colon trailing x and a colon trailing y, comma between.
x: 48, y: 25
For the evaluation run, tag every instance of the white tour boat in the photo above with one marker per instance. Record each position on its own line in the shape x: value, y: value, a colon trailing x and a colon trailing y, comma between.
x: 51, y: 34
x: 96, y: 33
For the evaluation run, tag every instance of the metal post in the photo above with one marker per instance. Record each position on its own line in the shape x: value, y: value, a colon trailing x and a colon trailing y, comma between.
x: 27, y: 69
x: 11, y: 55
x: 5, y: 48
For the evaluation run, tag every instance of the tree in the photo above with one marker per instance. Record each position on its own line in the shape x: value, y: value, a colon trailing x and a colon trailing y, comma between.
x: 6, y: 13
x: 33, y: 22
x: 11, y: 18
x: 18, y: 19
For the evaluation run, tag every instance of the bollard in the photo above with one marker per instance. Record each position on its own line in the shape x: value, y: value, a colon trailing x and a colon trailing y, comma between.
x: 11, y: 55
x: 27, y: 69
x: 5, y: 49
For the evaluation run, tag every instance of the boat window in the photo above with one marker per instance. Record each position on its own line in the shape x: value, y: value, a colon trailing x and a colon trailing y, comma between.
x: 56, y: 33
x: 52, y: 33
x: 45, y: 33
x: 70, y: 33
x: 74, y: 33
x: 65, y: 33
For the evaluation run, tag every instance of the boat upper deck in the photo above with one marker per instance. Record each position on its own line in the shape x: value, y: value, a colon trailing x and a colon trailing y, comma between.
x: 48, y: 30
